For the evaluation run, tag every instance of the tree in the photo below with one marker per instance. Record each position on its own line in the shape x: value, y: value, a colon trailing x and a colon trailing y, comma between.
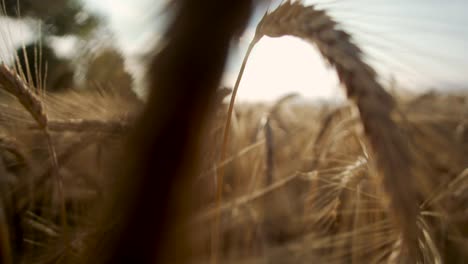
x: 59, y: 18
x: 107, y: 69
x: 59, y: 71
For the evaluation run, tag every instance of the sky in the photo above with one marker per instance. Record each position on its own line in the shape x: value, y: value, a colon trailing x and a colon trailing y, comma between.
x: 12, y: 34
x: 419, y: 43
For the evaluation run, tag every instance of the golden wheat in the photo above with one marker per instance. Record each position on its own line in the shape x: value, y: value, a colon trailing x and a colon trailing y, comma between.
x: 376, y: 107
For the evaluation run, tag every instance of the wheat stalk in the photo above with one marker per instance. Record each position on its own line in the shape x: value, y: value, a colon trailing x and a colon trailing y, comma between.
x: 113, y: 127
x: 377, y: 108
x: 41, y: 177
x: 19, y: 88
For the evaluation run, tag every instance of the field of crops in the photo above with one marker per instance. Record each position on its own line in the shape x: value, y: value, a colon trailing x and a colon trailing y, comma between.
x: 99, y: 175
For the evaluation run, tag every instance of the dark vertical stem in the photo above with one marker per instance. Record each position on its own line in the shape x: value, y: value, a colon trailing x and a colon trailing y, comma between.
x: 220, y: 171
x: 269, y: 153
x: 161, y: 155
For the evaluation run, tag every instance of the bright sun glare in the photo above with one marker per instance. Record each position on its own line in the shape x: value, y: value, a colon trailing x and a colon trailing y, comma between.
x: 279, y: 66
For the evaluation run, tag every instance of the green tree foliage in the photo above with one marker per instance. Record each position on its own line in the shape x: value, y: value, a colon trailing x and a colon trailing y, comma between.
x: 59, y: 71
x: 107, y: 70
x: 60, y: 17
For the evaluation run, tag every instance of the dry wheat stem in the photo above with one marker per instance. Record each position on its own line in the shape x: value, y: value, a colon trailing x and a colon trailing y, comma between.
x: 269, y: 153
x: 86, y: 125
x: 220, y: 169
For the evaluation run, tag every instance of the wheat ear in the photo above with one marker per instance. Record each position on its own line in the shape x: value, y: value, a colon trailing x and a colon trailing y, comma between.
x: 15, y: 85
x: 376, y: 107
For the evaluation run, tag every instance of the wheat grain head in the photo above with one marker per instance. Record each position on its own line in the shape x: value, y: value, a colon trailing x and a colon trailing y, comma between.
x: 377, y: 108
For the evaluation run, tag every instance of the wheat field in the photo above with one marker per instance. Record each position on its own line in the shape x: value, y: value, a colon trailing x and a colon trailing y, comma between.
x: 379, y: 178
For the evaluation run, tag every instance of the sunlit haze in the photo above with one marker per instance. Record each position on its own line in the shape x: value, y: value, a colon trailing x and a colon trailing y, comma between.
x: 285, y: 65
x: 420, y: 44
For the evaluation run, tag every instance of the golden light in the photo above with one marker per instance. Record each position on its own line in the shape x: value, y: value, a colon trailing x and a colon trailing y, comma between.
x: 278, y: 66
